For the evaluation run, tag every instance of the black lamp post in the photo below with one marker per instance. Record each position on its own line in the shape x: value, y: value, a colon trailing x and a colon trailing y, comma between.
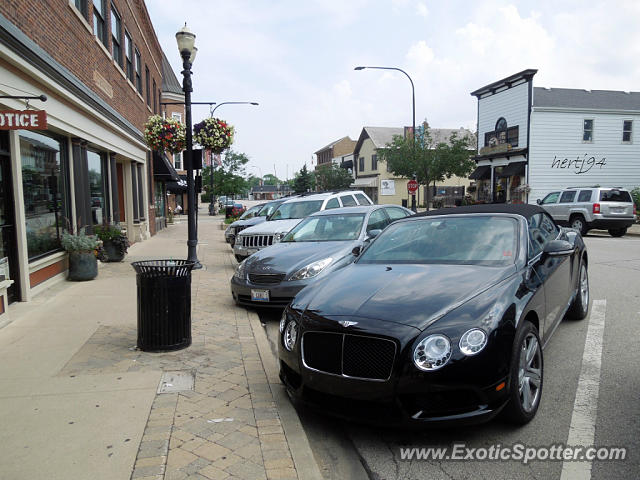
x: 187, y: 49
x: 211, y: 172
x: 413, y: 104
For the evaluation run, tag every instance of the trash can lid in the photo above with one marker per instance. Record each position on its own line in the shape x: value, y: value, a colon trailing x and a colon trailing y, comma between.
x: 165, y: 267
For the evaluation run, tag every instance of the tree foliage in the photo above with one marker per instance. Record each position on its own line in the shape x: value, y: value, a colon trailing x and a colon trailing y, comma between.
x: 332, y: 177
x: 228, y: 179
x: 304, y: 181
x: 427, y: 159
x: 269, y: 179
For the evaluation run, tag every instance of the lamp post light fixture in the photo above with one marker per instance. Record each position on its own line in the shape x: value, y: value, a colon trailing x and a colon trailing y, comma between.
x: 211, y: 172
x: 413, y: 122
x: 186, y: 40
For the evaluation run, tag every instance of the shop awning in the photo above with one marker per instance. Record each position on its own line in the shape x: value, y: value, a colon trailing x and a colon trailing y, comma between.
x: 483, y: 172
x: 176, y: 187
x: 514, y: 168
x: 367, y: 182
x: 162, y: 168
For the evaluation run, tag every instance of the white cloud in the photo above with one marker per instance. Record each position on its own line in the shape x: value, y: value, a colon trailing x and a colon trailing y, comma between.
x: 422, y: 9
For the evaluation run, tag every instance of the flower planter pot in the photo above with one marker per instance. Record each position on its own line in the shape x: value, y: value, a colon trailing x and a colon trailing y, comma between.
x: 114, y: 252
x: 82, y: 266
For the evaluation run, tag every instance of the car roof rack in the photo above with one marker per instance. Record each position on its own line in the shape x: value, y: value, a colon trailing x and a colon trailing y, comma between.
x: 584, y: 186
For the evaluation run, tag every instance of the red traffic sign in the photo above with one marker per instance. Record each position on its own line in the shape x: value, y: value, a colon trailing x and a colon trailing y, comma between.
x: 412, y: 186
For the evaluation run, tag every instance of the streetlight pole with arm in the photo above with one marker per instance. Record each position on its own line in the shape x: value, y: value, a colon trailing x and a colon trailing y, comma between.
x: 413, y: 106
x: 211, y: 172
x: 186, y: 40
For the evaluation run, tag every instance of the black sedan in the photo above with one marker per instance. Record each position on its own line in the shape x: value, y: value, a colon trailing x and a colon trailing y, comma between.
x: 442, y: 319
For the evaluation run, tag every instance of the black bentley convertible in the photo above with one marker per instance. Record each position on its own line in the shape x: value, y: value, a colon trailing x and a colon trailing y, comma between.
x: 441, y: 319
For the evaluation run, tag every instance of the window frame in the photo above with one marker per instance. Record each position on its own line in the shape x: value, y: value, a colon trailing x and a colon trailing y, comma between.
x: 374, y: 162
x: 83, y: 7
x: 138, y: 70
x: 591, y: 130
x: 147, y: 85
x: 568, y: 193
x: 630, y: 131
x: 100, y: 22
x: 128, y: 54
x: 116, y: 41
x: 361, y: 164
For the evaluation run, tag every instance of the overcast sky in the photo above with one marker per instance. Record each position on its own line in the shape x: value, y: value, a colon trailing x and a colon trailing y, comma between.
x: 296, y: 59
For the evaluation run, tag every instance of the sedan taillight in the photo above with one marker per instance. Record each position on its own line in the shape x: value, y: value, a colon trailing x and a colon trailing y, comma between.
x: 596, y: 208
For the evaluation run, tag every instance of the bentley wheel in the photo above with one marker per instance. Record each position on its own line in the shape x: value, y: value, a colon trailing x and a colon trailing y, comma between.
x: 525, y: 379
x: 580, y: 305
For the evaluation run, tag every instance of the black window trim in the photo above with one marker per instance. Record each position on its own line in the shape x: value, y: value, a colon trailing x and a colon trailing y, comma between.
x: 591, y: 130
x: 630, y: 131
x: 116, y: 40
x: 100, y: 22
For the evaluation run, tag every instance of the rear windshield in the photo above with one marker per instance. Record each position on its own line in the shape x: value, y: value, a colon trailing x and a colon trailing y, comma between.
x: 296, y: 210
x: 615, y: 196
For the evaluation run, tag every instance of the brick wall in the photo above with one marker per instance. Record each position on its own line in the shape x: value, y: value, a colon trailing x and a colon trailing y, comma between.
x: 58, y: 27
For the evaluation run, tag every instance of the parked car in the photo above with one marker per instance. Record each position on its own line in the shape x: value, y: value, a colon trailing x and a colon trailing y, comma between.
x: 586, y: 208
x: 441, y: 319
x: 315, y: 247
x: 229, y: 233
x: 237, y: 209
x: 222, y: 200
x: 240, y: 224
x: 289, y: 214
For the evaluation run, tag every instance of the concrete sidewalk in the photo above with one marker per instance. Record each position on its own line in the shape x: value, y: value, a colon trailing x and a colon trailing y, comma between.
x: 78, y: 401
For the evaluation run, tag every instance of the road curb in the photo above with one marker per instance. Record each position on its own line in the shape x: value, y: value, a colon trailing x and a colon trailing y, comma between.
x: 301, y: 452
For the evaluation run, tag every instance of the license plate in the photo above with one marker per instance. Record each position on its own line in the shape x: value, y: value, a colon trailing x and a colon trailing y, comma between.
x: 259, y: 295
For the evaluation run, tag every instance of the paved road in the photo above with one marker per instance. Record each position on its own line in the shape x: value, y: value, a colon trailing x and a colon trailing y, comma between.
x: 591, y: 395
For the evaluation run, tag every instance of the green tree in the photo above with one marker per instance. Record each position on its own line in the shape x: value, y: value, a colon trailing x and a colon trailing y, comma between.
x: 228, y: 179
x: 303, y: 181
x: 332, y: 177
x: 429, y: 161
x: 269, y: 179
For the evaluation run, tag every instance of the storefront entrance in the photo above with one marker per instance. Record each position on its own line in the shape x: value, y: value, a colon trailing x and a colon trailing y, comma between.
x: 8, y: 241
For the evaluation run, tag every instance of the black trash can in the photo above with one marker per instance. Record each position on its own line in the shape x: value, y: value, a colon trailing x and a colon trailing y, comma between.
x: 404, y: 202
x: 164, y: 304
x: 228, y: 211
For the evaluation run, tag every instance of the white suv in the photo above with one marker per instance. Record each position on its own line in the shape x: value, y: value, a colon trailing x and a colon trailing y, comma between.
x: 288, y: 215
x: 585, y: 208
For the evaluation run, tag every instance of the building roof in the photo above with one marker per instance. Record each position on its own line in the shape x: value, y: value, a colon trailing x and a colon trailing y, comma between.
x: 170, y: 82
x: 381, y: 136
x: 507, y: 82
x: 576, y: 98
x: 332, y: 144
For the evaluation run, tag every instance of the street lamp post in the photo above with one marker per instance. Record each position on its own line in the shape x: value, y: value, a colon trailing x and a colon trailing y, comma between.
x: 413, y: 123
x: 211, y: 172
x: 186, y: 40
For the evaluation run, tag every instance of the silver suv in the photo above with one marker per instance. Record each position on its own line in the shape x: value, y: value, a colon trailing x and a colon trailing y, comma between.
x: 288, y: 215
x: 586, y: 208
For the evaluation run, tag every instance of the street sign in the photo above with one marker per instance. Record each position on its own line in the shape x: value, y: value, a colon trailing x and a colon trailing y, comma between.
x: 412, y: 186
x: 23, y: 119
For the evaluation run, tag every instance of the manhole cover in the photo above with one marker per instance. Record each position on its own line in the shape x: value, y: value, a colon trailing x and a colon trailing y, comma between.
x: 176, y: 382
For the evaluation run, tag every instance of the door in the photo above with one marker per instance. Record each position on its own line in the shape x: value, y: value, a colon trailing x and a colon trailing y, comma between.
x: 8, y: 239
x: 563, y: 208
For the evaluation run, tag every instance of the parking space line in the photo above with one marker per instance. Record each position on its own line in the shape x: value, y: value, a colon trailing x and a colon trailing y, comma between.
x: 585, y: 407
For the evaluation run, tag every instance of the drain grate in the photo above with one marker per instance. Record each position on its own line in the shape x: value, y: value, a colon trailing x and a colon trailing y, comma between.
x: 178, y: 381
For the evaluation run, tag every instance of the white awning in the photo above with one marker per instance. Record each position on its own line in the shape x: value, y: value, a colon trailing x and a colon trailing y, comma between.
x: 365, y: 182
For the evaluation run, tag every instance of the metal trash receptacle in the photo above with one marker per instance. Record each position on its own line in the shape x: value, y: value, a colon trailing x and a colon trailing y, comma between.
x: 164, y: 304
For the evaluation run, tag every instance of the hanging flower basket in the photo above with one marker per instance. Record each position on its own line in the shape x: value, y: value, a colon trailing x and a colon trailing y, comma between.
x: 164, y: 134
x: 213, y: 134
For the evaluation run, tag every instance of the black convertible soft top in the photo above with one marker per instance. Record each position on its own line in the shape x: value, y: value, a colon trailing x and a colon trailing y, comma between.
x: 524, y: 209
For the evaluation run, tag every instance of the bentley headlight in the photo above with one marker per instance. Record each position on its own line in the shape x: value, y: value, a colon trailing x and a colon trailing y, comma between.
x: 283, y: 321
x: 432, y: 352
x: 311, y: 270
x: 241, y: 270
x: 473, y: 341
x: 290, y: 335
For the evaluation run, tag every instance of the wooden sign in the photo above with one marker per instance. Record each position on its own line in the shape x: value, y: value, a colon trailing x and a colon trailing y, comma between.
x: 23, y: 120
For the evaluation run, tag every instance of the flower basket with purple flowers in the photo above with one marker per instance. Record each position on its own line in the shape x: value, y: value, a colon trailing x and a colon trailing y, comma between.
x: 213, y: 134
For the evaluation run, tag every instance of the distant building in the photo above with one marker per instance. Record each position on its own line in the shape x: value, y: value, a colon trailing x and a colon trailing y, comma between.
x: 373, y: 176
x: 533, y: 140
x: 339, y: 152
x: 270, y: 192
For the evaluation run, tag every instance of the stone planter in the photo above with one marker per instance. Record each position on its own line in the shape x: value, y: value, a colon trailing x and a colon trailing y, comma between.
x: 82, y: 266
x: 114, y: 252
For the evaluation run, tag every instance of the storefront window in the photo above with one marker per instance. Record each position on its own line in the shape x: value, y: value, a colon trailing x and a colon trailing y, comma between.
x: 159, y: 199
x: 96, y: 186
x: 44, y: 189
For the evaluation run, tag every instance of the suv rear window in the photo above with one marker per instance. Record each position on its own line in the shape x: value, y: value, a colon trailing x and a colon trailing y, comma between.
x: 362, y: 199
x: 615, y: 196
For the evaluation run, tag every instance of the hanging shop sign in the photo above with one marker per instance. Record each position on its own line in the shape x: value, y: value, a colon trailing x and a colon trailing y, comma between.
x: 23, y: 120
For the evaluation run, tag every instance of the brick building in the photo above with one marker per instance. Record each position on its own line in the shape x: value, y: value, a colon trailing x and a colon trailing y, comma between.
x: 100, y: 65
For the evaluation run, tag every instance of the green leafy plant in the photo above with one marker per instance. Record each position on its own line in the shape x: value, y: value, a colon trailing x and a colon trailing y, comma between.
x: 114, y: 235
x: 214, y: 134
x: 80, y: 242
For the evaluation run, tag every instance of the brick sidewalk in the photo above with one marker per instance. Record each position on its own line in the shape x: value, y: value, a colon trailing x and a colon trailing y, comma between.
x: 227, y: 427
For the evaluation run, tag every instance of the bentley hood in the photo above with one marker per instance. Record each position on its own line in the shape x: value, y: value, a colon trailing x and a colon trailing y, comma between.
x: 413, y: 295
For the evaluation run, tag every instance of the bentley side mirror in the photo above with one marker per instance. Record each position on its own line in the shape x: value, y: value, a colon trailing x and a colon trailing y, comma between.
x: 558, y: 248
x: 371, y: 234
x: 539, y: 202
x: 357, y: 250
